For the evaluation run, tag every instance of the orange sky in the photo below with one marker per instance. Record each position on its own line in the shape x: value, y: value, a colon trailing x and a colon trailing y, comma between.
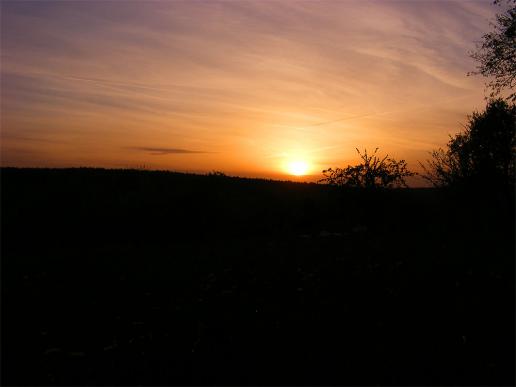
x: 238, y: 86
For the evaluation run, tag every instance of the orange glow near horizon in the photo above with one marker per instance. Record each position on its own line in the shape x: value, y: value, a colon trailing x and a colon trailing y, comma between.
x: 260, y: 89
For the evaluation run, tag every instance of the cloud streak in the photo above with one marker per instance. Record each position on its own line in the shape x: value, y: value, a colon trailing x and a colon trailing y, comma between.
x: 158, y: 151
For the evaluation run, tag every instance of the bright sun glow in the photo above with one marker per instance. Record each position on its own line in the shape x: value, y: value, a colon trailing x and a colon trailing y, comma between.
x: 298, y: 168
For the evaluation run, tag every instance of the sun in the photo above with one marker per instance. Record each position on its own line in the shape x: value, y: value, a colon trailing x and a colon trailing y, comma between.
x: 298, y: 167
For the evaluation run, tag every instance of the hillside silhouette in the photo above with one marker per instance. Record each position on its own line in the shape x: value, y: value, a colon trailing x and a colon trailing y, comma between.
x: 126, y: 277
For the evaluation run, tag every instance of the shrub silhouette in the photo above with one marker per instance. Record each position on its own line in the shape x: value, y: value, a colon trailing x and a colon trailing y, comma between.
x: 373, y: 172
x: 216, y: 174
x: 483, y: 155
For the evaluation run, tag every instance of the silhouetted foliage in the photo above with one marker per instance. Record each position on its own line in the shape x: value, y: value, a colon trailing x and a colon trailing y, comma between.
x: 496, y: 53
x: 373, y: 172
x: 217, y: 174
x: 484, y: 154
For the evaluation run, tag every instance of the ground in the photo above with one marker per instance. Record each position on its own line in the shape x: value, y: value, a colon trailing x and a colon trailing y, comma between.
x: 153, y: 278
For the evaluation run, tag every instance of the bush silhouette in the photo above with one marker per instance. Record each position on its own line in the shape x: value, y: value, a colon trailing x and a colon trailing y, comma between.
x: 216, y: 174
x: 373, y: 172
x: 482, y: 155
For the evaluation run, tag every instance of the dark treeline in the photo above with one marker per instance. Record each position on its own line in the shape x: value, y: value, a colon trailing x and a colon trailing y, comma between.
x: 125, y: 277
x: 126, y: 205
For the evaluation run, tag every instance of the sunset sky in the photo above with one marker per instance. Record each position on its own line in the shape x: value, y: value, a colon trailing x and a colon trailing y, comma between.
x: 251, y: 88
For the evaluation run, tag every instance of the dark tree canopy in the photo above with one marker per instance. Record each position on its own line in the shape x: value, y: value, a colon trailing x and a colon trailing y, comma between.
x: 483, y: 155
x: 373, y: 172
x: 496, y: 53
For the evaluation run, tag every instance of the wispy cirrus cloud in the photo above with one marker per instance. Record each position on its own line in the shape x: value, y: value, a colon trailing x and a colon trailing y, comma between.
x: 159, y: 151
x: 246, y: 79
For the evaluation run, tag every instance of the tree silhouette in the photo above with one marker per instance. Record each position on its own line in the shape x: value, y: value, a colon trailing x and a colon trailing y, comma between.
x: 484, y: 154
x: 373, y: 172
x: 496, y: 53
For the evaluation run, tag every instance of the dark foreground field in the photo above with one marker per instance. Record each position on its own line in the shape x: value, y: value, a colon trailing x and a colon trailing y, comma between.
x: 141, y: 278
